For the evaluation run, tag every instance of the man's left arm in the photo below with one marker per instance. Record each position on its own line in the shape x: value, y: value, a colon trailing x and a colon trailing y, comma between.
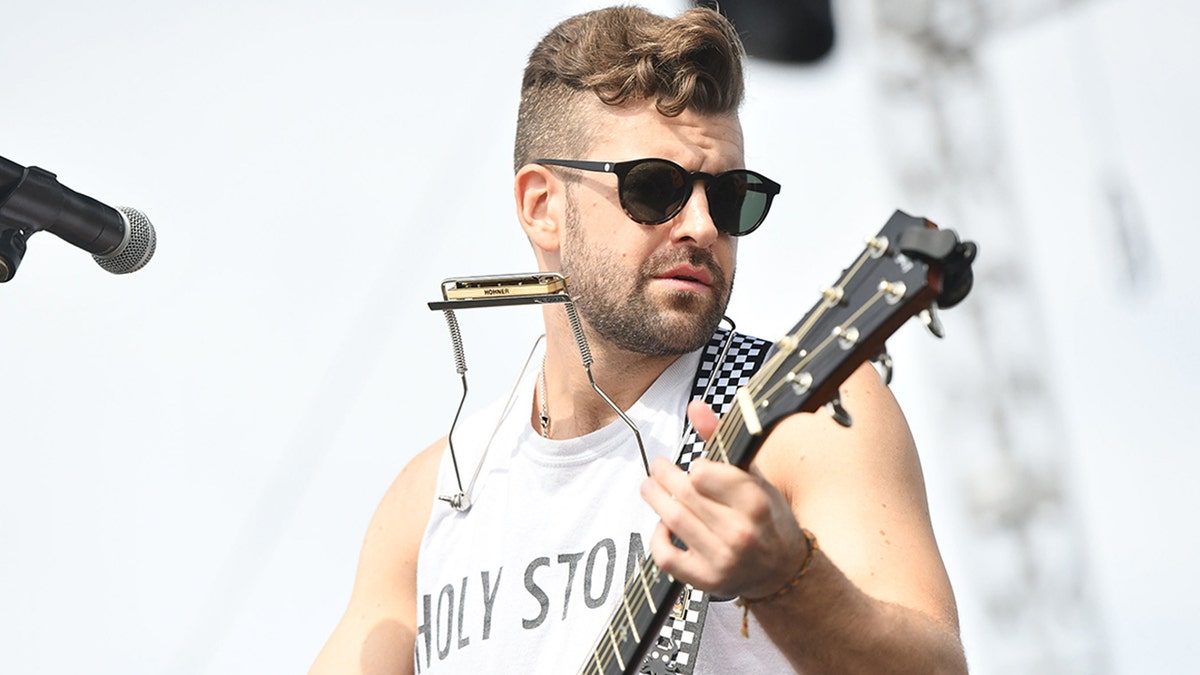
x: 875, y: 597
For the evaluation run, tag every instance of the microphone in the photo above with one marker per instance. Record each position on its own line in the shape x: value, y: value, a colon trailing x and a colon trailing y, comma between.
x: 120, y: 239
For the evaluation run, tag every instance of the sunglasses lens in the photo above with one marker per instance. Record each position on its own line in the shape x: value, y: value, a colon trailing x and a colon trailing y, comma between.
x: 738, y: 201
x: 654, y: 191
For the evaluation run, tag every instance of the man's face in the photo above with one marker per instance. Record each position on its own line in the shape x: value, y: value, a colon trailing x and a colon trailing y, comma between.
x: 651, y: 289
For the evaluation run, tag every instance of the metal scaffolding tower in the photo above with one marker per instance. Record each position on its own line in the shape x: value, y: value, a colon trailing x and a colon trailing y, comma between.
x: 943, y: 136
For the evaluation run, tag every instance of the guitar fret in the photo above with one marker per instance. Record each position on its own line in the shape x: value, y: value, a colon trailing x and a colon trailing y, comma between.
x: 749, y: 416
x: 646, y: 589
x: 632, y: 624
x: 722, y: 453
x: 616, y: 651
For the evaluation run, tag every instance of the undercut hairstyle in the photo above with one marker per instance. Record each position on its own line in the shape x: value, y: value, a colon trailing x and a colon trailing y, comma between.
x: 624, y: 55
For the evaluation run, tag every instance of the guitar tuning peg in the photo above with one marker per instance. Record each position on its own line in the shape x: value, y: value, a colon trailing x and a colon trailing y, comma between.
x: 929, y: 316
x: 838, y: 412
x: 884, y: 365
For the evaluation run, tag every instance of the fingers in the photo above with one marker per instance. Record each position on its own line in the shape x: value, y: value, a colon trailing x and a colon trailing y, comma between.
x: 713, y: 492
x: 686, y: 565
x: 732, y: 522
x: 703, y: 419
x: 682, y: 510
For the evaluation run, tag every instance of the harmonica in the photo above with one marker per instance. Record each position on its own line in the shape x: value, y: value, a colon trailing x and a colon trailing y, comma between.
x: 502, y: 289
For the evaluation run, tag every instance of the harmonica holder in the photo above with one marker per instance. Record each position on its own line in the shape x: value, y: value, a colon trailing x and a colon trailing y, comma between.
x: 498, y: 291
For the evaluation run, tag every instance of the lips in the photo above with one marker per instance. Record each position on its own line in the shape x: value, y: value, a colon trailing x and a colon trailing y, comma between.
x: 688, y: 274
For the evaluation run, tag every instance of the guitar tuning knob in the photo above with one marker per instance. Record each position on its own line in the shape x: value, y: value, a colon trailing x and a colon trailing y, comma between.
x: 929, y: 316
x: 884, y: 365
x: 838, y: 412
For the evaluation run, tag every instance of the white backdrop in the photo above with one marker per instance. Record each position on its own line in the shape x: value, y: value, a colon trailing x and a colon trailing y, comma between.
x: 189, y: 455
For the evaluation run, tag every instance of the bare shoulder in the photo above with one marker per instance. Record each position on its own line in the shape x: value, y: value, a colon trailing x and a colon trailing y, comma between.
x: 376, y: 633
x: 412, y: 489
x: 398, y: 524
x: 861, y: 491
x: 805, y: 442
x: 394, y: 535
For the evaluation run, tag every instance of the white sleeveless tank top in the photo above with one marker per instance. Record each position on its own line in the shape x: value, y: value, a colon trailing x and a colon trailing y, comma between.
x: 524, y: 581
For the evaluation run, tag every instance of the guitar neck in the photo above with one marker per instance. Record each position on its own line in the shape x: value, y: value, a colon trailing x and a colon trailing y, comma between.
x: 630, y: 635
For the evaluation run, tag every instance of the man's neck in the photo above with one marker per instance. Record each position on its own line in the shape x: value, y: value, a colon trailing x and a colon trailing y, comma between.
x: 573, y: 406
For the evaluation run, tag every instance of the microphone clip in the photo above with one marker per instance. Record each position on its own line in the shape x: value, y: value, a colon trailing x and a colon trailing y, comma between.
x: 12, y: 250
x: 21, y: 208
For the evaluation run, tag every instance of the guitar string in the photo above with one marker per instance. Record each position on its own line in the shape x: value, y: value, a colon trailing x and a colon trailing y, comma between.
x: 771, y: 367
x: 728, y: 427
x: 832, y: 337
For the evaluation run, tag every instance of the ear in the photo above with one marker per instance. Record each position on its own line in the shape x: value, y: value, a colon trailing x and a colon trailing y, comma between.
x: 541, y: 206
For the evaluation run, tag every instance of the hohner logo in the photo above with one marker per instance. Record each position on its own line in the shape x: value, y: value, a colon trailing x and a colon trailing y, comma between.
x: 496, y: 291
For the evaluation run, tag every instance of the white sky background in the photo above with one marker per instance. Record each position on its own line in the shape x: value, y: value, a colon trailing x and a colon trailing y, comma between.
x: 189, y: 455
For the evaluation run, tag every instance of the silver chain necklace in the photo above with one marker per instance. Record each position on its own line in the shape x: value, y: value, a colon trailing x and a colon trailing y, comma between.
x: 544, y: 415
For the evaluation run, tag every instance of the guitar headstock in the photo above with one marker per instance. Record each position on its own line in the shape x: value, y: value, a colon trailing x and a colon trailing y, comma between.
x: 909, y: 268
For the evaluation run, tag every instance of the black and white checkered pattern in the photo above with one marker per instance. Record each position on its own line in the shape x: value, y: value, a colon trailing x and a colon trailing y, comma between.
x: 679, y: 640
x: 745, y: 355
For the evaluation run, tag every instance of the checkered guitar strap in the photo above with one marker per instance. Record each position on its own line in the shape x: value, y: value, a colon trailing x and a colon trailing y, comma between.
x: 679, y: 641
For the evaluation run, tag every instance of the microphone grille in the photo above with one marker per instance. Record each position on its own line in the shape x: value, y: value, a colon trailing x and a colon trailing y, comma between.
x: 135, y: 249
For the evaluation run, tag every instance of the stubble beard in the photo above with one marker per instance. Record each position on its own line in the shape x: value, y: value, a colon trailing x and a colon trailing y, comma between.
x: 625, y: 314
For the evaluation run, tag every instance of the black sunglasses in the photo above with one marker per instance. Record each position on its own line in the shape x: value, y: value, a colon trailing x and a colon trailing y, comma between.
x: 653, y: 191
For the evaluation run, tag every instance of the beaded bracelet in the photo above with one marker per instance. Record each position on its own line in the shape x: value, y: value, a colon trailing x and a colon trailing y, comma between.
x: 808, y: 561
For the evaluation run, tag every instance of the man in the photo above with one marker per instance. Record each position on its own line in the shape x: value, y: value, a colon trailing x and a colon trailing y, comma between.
x: 523, y: 581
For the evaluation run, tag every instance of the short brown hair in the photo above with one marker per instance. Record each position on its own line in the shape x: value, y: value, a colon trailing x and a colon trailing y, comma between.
x: 624, y: 54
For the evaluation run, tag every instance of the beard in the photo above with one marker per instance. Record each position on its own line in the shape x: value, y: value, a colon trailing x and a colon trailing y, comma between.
x: 623, y: 312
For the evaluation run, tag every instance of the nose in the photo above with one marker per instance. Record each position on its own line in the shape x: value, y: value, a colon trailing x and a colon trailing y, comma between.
x: 694, y: 222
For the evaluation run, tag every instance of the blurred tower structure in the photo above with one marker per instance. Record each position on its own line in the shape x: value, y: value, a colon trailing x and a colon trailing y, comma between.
x: 943, y: 138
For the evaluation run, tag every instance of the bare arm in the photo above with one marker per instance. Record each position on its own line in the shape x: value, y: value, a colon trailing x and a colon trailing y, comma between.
x: 375, y: 635
x: 877, y: 598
